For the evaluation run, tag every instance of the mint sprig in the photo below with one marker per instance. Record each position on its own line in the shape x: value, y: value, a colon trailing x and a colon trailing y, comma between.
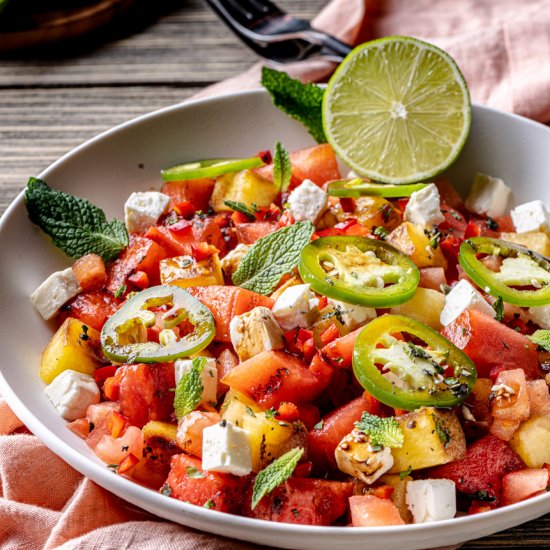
x: 301, y: 101
x: 541, y: 338
x: 189, y: 389
x: 282, y: 170
x: 382, y: 431
x: 271, y: 257
x: 275, y: 474
x: 241, y: 207
x: 75, y: 225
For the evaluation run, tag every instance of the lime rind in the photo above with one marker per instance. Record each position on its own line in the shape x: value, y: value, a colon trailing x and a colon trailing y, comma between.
x: 397, y: 110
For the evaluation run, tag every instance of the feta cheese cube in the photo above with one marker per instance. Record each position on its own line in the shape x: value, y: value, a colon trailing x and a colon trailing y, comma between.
x: 254, y: 332
x: 463, y: 296
x: 431, y: 499
x: 307, y: 202
x: 143, y: 210
x: 71, y: 393
x: 488, y: 196
x: 352, y: 316
x: 227, y: 449
x: 424, y: 207
x: 295, y: 307
x: 530, y: 216
x: 541, y: 316
x: 230, y: 262
x: 209, y: 377
x: 356, y: 456
x: 54, y: 292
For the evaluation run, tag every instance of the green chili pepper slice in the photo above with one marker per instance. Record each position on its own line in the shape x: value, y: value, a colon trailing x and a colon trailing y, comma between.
x: 520, y: 268
x: 209, y: 168
x: 358, y: 187
x: 124, y: 335
x: 405, y: 374
x: 358, y: 270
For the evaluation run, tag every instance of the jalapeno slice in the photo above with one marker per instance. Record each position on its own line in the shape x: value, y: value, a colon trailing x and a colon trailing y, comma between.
x: 358, y: 270
x: 358, y: 187
x: 124, y: 335
x: 406, y: 374
x: 209, y: 168
x: 524, y: 275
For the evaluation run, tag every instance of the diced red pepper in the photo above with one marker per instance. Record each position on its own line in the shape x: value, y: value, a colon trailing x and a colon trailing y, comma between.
x: 202, y: 251
x: 117, y: 424
x: 127, y: 464
x: 288, y: 412
x: 472, y: 230
x: 348, y: 204
x: 185, y: 209
x: 329, y: 334
x: 286, y: 219
x: 382, y: 491
x: 309, y: 349
x: 139, y: 279
x: 101, y: 374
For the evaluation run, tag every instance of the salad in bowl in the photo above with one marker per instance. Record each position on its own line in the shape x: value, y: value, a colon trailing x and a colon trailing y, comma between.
x: 275, y: 338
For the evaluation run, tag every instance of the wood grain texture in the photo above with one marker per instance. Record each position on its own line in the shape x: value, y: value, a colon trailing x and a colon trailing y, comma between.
x: 56, y: 98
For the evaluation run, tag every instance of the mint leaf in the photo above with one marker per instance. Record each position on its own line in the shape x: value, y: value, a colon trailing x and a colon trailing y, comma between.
x: 282, y: 171
x: 271, y: 257
x: 275, y: 474
x: 189, y: 389
x: 382, y: 431
x: 193, y: 473
x: 301, y: 101
x: 75, y: 225
x: 241, y: 207
x: 541, y: 338
x: 498, y: 306
x: 271, y: 413
x: 405, y: 473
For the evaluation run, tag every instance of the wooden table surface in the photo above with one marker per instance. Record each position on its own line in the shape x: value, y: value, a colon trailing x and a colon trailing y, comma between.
x: 54, y: 99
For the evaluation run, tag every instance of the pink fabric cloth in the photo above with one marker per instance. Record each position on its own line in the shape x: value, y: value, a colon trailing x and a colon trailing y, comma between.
x: 502, y: 47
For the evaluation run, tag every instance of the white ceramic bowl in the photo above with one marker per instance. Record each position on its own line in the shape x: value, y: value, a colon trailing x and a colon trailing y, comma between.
x: 128, y: 158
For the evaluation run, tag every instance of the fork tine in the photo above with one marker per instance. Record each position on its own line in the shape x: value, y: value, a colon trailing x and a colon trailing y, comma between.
x: 267, y: 7
x: 232, y: 12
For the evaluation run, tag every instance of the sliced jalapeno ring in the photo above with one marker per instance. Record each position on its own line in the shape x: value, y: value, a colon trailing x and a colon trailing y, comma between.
x: 124, y: 335
x: 358, y: 270
x: 209, y: 168
x: 358, y: 187
x: 405, y: 374
x: 520, y: 268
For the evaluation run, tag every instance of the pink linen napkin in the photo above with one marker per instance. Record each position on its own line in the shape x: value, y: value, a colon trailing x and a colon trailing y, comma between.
x: 502, y: 47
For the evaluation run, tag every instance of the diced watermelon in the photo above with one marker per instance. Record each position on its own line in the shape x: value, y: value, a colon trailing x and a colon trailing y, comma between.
x: 142, y: 254
x: 197, y: 192
x: 322, y: 442
x: 517, y: 486
x: 144, y: 392
x: 222, y: 492
x: 492, y: 345
x: 340, y: 352
x: 249, y: 233
x: 539, y: 397
x: 303, y: 500
x: 225, y: 302
x: 432, y: 277
x: 448, y: 194
x: 92, y: 308
x: 482, y: 469
x: 454, y: 223
x: 271, y: 377
x: 225, y: 362
x: 90, y: 272
x: 190, y: 427
x: 371, y: 511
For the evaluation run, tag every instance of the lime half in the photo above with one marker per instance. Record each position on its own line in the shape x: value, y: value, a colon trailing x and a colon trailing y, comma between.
x: 397, y: 110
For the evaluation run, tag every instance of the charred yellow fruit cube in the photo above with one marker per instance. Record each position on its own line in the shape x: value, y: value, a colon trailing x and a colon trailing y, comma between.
x: 269, y: 437
x: 373, y: 212
x: 425, y: 306
x: 532, y: 441
x: 432, y: 437
x: 414, y: 241
x: 399, y: 495
x: 160, y: 430
x: 537, y: 241
x: 246, y: 187
x: 185, y: 271
x: 74, y: 346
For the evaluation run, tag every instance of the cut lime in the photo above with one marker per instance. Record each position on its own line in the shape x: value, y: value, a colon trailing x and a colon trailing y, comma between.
x: 209, y: 168
x: 397, y: 110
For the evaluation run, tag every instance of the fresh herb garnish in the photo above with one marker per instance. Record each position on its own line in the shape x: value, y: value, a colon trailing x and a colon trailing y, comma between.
x: 381, y: 232
x: 271, y: 257
x: 442, y: 432
x: 250, y: 412
x: 301, y: 101
x: 282, y: 170
x: 382, y: 431
x: 166, y: 490
x: 209, y: 504
x: 541, y: 338
x: 405, y: 473
x: 193, y: 473
x: 319, y: 425
x: 241, y: 207
x: 271, y: 413
x: 189, y: 389
x: 120, y: 291
x: 75, y: 225
x: 498, y: 306
x: 491, y: 224
x: 275, y: 474
x: 483, y: 496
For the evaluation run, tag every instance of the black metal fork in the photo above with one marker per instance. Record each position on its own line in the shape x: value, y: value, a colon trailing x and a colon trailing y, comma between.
x: 276, y: 35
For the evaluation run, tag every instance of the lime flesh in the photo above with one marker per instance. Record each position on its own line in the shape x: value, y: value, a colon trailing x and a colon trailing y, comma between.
x: 397, y: 110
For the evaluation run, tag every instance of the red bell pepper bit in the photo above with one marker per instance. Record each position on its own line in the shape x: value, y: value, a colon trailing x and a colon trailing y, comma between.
x: 472, y: 230
x: 288, y: 412
x: 117, y: 424
x: 203, y: 250
x: 330, y: 334
x: 348, y: 204
x: 185, y: 209
x: 238, y: 217
x: 309, y: 349
x: 286, y: 219
x: 383, y: 491
x: 101, y: 374
x: 127, y: 464
x: 266, y: 156
x: 182, y: 227
x: 139, y: 279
